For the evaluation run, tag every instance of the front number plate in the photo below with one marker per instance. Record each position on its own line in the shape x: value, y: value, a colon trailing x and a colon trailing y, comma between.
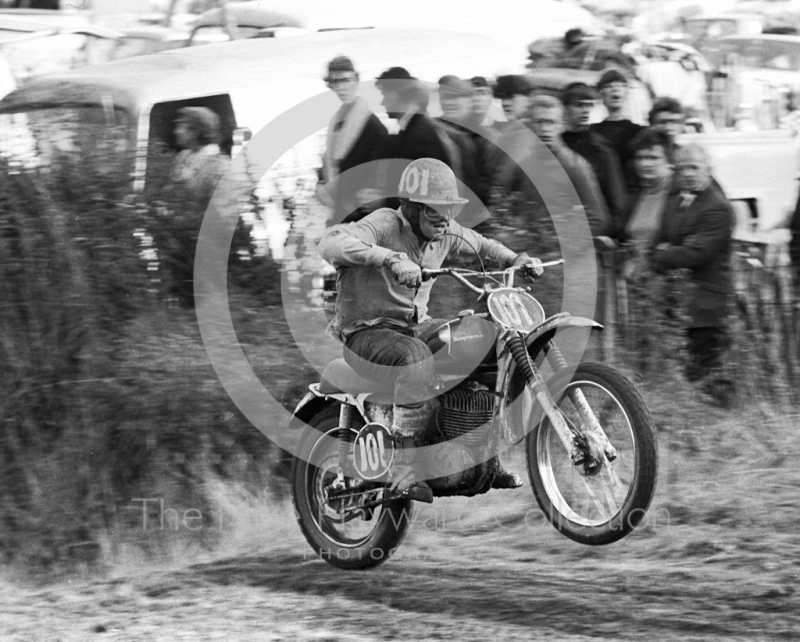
x: 515, y: 309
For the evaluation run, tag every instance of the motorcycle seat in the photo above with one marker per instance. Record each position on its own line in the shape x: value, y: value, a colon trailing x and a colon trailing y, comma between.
x: 338, y: 376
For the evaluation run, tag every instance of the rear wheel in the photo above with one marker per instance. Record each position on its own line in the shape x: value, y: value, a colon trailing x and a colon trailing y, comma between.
x: 341, y: 531
x: 604, y: 507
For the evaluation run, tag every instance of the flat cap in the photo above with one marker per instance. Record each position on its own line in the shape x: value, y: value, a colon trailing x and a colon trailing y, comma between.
x: 509, y: 86
x: 454, y: 86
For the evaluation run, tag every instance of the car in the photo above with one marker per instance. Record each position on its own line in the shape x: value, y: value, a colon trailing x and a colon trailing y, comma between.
x: 33, y: 43
x: 512, y: 22
x: 551, y: 72
x: 756, y: 78
x: 248, y: 20
x: 699, y: 30
x: 239, y: 20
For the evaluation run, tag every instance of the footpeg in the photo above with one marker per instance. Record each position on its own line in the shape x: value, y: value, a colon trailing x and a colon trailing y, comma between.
x: 419, y: 493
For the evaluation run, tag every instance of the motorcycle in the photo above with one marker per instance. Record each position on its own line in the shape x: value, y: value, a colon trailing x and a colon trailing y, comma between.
x: 589, y: 438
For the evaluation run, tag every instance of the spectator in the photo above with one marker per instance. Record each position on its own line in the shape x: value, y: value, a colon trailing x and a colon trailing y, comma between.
x: 642, y: 221
x: 200, y: 164
x: 696, y: 234
x: 471, y: 166
x: 794, y: 243
x: 406, y: 101
x: 482, y: 98
x: 668, y: 114
x: 355, y: 137
x: 578, y: 105
x: 573, y: 38
x: 616, y: 129
x: 547, y: 122
x: 514, y: 93
x: 195, y: 174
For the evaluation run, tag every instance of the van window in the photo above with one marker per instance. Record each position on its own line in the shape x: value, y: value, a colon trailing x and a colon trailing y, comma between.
x: 162, y: 145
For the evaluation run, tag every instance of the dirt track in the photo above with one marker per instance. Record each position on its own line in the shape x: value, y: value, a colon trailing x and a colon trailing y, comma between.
x: 487, y: 568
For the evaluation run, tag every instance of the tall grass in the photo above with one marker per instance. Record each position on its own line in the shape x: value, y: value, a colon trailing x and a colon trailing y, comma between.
x: 107, y: 396
x: 106, y: 393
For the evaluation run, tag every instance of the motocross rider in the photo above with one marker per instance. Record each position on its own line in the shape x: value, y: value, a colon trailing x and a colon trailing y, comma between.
x: 382, y: 303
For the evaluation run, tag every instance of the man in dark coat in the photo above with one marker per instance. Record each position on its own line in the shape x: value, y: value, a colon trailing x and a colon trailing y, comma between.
x: 406, y: 101
x: 578, y: 104
x: 696, y: 234
x: 547, y: 122
x: 355, y: 140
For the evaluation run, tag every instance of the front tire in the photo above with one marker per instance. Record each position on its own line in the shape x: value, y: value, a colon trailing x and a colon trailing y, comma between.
x: 344, y: 538
x: 605, y: 507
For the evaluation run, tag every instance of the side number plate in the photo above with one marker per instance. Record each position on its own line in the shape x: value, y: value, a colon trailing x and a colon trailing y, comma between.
x: 373, y: 451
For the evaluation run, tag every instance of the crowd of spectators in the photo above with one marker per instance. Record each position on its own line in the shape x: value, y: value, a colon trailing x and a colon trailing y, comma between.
x: 640, y: 190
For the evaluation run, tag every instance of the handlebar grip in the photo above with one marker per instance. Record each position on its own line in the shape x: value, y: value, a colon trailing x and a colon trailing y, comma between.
x: 427, y: 274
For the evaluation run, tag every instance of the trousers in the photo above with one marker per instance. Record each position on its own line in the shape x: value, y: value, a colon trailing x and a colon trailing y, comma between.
x: 706, y: 347
x: 387, y: 354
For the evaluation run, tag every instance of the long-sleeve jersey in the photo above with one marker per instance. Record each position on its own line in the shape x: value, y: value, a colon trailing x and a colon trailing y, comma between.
x: 368, y: 294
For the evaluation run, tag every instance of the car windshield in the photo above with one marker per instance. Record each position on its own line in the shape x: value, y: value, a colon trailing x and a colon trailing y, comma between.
x: 761, y: 54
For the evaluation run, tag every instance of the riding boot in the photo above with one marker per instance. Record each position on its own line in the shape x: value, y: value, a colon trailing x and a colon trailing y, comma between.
x: 504, y: 478
x: 408, y: 470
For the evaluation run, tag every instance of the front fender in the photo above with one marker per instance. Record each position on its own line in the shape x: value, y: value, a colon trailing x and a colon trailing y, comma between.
x: 540, y: 336
x: 308, y: 408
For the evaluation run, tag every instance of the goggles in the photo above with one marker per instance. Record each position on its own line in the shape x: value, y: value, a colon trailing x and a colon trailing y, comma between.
x: 439, y: 213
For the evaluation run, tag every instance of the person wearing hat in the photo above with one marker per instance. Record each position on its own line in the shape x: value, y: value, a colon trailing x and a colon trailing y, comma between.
x: 471, y: 144
x: 514, y: 92
x: 579, y: 101
x: 616, y: 129
x: 382, y: 308
x: 356, y: 139
x: 406, y: 100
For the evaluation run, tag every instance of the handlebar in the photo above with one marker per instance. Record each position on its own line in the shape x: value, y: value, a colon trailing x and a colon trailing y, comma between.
x: 460, y: 274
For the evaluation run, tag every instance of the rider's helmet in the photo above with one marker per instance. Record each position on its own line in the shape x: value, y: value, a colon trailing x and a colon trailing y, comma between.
x: 430, y: 181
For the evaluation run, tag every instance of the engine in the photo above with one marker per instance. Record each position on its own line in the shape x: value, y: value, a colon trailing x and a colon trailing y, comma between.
x: 466, y: 413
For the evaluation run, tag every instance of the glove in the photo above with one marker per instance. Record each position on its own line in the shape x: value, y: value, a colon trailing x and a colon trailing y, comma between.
x: 404, y: 270
x: 531, y: 267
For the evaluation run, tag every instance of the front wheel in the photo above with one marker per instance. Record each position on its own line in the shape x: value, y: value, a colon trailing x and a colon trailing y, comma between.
x: 341, y: 530
x: 606, y: 506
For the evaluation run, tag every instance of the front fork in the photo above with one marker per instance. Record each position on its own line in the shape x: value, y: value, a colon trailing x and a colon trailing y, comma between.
x: 599, y: 447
